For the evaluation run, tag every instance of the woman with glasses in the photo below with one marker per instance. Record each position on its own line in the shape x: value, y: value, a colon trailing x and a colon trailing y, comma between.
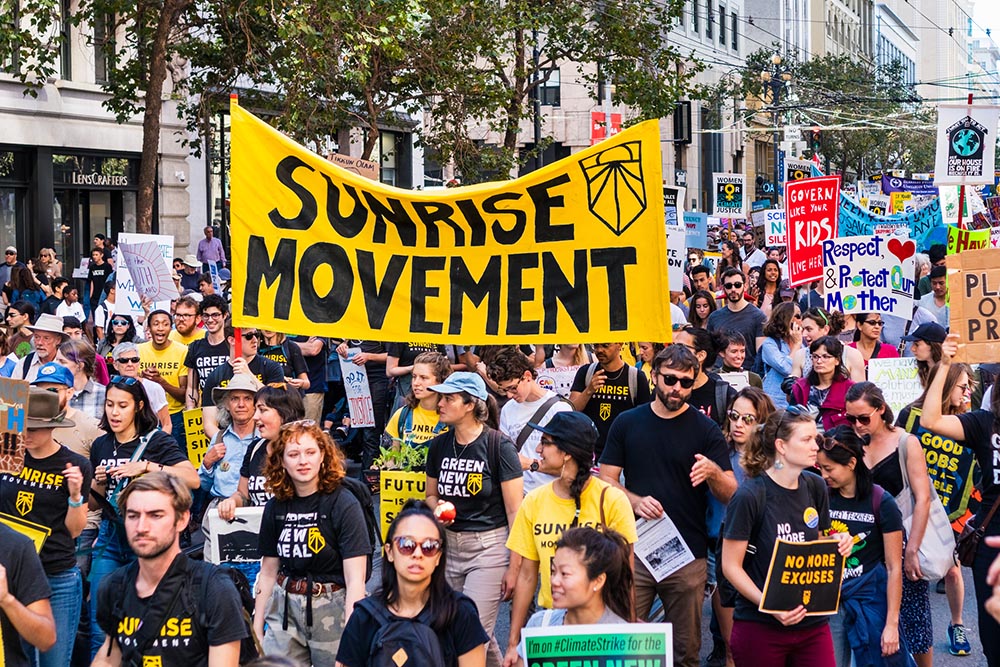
x: 132, y: 446
x: 121, y: 329
x: 126, y: 364
x: 871, y: 416
x: 414, y: 587
x: 782, y: 339
x: 866, y: 338
x: 314, y: 548
x: 417, y: 421
x: 48, y: 263
x: 779, y: 496
x: 817, y: 323
x: 701, y: 305
x: 867, y: 623
x: 477, y: 469
x: 824, y: 389
x: 574, y: 498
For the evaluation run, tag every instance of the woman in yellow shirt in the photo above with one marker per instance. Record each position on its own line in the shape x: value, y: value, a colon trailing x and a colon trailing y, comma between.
x: 417, y: 421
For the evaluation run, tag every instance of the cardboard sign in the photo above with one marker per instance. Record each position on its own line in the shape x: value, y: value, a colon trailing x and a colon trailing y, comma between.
x: 237, y: 541
x: 966, y: 144
x: 359, y: 394
x: 811, y: 209
x: 357, y: 165
x: 197, y: 441
x: 974, y: 292
x: 729, y: 195
x: 803, y: 573
x: 869, y: 274
x: 774, y: 226
x: 898, y: 380
x: 696, y: 229
x: 609, y: 645
x: 963, y: 240
x: 395, y: 488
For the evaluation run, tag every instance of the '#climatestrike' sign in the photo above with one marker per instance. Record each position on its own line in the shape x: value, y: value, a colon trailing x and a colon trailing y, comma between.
x: 603, y: 645
x: 569, y: 252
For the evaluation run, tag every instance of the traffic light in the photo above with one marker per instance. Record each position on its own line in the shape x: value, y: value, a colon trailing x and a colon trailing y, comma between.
x: 815, y: 139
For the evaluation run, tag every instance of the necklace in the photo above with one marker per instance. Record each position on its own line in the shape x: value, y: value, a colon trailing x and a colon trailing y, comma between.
x: 609, y: 378
x: 465, y: 448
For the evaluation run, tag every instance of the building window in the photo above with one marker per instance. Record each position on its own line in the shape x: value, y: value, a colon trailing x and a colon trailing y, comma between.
x: 393, y: 155
x: 66, y: 42
x: 735, y: 32
x: 549, y: 90
x: 694, y: 16
x: 104, y: 47
x: 708, y: 19
x: 722, y: 25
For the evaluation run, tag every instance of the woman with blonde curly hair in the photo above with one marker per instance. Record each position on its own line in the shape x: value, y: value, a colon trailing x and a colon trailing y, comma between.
x: 313, y: 546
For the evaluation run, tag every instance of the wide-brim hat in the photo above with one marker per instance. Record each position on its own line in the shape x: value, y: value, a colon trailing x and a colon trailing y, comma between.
x: 191, y: 261
x: 239, y: 382
x: 44, y: 411
x: 50, y: 323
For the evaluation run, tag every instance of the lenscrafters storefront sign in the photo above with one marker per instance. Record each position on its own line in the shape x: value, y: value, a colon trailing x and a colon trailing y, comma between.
x: 95, y: 171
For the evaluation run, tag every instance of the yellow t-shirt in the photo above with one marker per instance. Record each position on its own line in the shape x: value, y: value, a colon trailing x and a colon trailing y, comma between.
x: 424, y: 423
x: 170, y: 363
x: 197, y: 334
x: 544, y: 516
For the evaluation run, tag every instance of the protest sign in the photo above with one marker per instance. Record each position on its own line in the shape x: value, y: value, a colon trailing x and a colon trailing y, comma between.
x: 673, y: 204
x: 868, y: 188
x: 891, y: 184
x: 811, y: 211
x: 950, y: 465
x: 676, y: 239
x: 869, y: 274
x: 604, y: 645
x: 803, y: 573
x: 974, y: 294
x: 696, y: 227
x: 360, y: 166
x: 796, y: 170
x: 359, y: 394
x: 151, y: 278
x: 235, y: 541
x: 571, y: 251
x: 995, y: 237
x: 773, y: 223
x: 880, y: 205
x: 898, y: 201
x: 13, y: 412
x: 961, y: 240
x: 559, y: 380
x: 395, y: 488
x: 729, y: 195
x: 856, y: 221
x: 213, y: 270
x: 35, y: 532
x: 898, y: 380
x: 966, y: 144
x: 197, y: 441
x: 127, y: 300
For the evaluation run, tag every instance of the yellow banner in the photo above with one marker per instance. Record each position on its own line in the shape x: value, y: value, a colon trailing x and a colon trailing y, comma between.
x: 395, y: 488
x: 574, y: 251
x: 36, y: 532
x: 197, y: 441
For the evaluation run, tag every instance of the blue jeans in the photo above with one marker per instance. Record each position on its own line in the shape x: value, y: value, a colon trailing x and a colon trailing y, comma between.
x: 177, y: 428
x: 66, y: 600
x: 111, y: 551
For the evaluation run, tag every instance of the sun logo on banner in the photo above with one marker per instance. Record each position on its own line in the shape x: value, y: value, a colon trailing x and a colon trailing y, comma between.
x: 604, y: 411
x: 806, y: 596
x: 314, y: 540
x: 616, y: 190
x: 152, y: 661
x: 24, y: 502
x: 475, y: 483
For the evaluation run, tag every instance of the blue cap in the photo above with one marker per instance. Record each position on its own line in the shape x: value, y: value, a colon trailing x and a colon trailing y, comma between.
x: 53, y: 373
x: 470, y: 383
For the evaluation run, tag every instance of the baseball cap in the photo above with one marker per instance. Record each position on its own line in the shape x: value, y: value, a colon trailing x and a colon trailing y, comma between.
x: 570, y: 426
x: 470, y: 383
x: 54, y: 373
x: 931, y: 332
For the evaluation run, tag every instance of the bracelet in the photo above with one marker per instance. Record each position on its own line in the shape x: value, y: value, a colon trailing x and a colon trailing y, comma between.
x: 161, y: 467
x: 77, y: 503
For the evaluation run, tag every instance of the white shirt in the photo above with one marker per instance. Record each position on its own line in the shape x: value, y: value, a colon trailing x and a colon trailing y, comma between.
x: 71, y: 310
x: 515, y: 416
x: 157, y: 395
x: 754, y: 259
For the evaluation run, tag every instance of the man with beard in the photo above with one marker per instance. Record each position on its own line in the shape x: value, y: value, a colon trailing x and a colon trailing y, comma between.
x: 186, y: 329
x: 46, y: 335
x: 145, y: 608
x: 605, y: 389
x: 672, y: 456
x: 752, y: 255
x: 739, y: 315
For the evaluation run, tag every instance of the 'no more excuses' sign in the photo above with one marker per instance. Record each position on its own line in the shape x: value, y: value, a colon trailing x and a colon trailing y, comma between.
x: 869, y: 274
x: 811, y: 214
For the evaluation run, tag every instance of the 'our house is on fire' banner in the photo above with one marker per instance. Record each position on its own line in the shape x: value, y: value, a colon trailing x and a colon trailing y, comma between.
x: 573, y: 251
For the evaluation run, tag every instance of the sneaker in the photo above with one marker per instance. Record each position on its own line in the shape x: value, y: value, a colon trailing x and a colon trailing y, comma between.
x: 717, y: 658
x: 939, y: 588
x: 958, y: 643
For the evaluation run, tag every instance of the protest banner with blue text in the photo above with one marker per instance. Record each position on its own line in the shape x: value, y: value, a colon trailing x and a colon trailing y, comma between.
x: 869, y: 274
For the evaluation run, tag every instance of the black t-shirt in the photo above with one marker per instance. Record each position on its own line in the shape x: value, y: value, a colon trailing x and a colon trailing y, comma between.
x: 204, y: 358
x: 107, y: 452
x: 313, y: 536
x: 857, y: 517
x: 182, y: 641
x: 610, y: 400
x: 703, y: 398
x: 253, y: 470
x: 657, y: 454
x: 466, y: 477
x: 50, y: 304
x: 287, y: 355
x: 981, y: 436
x: 794, y: 515
x: 97, y: 276
x: 463, y: 634
x: 375, y: 369
x: 39, y: 494
x: 26, y: 581
x: 315, y: 365
x: 265, y: 370
x: 748, y: 322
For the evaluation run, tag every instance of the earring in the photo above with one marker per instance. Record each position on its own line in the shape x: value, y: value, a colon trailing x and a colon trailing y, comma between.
x: 778, y: 465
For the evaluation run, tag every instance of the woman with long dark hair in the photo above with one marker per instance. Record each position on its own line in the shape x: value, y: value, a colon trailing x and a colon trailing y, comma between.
x: 414, y: 587
x: 23, y: 286
x: 768, y: 285
x: 121, y: 329
x: 866, y: 338
x: 782, y: 339
x: 824, y: 389
x: 868, y: 621
x: 701, y: 305
x: 574, y: 498
x: 313, y: 545
x: 730, y: 251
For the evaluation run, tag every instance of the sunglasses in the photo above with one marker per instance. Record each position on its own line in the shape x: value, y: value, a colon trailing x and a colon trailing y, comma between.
x: 407, y: 545
x: 119, y: 323
x: 298, y: 423
x: 733, y: 285
x: 747, y: 419
x: 671, y: 380
x: 128, y: 382
x: 10, y: 253
x: 250, y: 335
x: 829, y: 444
x: 874, y: 323
x: 127, y: 360
x: 864, y: 420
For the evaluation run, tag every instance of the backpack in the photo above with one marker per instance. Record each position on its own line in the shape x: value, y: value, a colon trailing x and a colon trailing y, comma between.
x: 633, y: 378
x: 250, y: 648
x: 401, y: 642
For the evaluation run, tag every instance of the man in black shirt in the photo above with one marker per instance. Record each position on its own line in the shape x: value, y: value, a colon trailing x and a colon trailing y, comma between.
x: 265, y: 370
x: 97, y: 276
x: 145, y: 608
x: 206, y: 354
x: 667, y: 449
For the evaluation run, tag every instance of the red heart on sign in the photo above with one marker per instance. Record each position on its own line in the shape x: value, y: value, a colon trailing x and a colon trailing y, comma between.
x: 902, y: 249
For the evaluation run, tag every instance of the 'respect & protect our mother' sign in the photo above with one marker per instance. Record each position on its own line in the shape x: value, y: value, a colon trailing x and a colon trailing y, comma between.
x: 811, y: 207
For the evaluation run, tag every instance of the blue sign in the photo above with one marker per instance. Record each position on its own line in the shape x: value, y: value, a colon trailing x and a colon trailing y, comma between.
x: 892, y: 184
x: 696, y: 228
x: 857, y: 221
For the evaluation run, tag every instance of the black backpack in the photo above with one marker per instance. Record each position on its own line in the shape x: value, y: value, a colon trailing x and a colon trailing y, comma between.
x: 250, y: 648
x: 401, y: 642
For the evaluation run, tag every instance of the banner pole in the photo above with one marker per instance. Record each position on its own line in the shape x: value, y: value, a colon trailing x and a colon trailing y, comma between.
x: 961, y: 188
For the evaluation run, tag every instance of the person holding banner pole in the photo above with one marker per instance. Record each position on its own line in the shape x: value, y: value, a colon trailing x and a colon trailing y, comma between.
x: 373, y: 357
x: 980, y: 431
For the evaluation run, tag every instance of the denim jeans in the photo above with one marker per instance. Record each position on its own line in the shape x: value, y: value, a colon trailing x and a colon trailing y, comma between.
x: 66, y: 600
x: 177, y: 428
x: 111, y: 551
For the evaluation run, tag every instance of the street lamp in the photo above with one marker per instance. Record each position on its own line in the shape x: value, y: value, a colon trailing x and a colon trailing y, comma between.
x: 777, y: 79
